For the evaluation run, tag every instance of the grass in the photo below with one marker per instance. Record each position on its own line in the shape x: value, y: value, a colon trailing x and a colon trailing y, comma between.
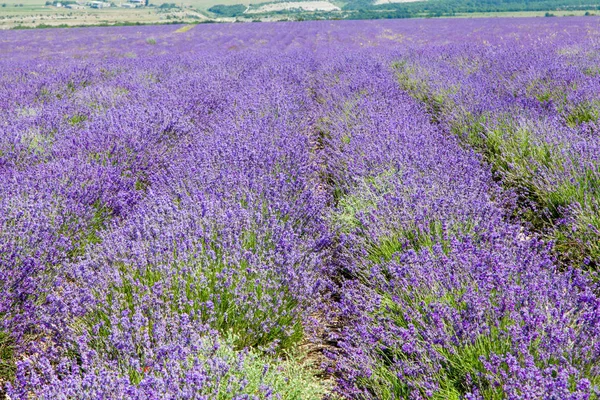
x: 184, y: 28
x: 513, y: 150
x: 77, y: 119
x: 91, y: 234
x: 579, y: 240
x: 256, y: 374
x: 460, y: 366
x: 515, y: 153
x: 207, y: 287
x: 350, y: 206
x: 436, y: 102
x: 7, y: 359
x: 364, y: 199
x: 37, y: 142
x: 584, y: 112
x: 417, y: 238
x: 288, y: 376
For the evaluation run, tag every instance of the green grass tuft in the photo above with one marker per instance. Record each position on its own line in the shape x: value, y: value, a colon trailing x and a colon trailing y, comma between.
x: 289, y: 376
x: 7, y: 359
x: 584, y: 112
x: 77, y: 119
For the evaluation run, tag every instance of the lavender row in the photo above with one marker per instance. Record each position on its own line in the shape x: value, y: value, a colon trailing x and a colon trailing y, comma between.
x: 530, y: 104
x: 154, y: 212
x: 444, y: 297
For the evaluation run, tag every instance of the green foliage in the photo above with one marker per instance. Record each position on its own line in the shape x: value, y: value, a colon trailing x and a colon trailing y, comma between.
x: 289, y: 377
x: 151, y: 41
x: 582, y: 113
x: 581, y: 198
x: 77, y: 119
x: 142, y: 183
x: 222, y: 10
x: 207, y: 287
x: 410, y: 238
x: 591, y: 71
x: 417, y: 238
x: 515, y: 152
x: 460, y: 362
x: 436, y: 102
x: 516, y: 156
x: 545, y: 90
x: 366, y: 9
x: 7, y: 361
x: 363, y: 200
x: 91, y: 234
x: 349, y: 206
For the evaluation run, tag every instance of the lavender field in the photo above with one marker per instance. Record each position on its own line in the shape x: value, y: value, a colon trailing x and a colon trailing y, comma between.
x: 318, y: 210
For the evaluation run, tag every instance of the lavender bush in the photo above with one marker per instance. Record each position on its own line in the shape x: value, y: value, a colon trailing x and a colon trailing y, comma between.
x: 369, y: 210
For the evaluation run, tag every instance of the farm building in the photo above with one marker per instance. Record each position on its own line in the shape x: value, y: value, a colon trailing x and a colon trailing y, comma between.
x: 98, y: 4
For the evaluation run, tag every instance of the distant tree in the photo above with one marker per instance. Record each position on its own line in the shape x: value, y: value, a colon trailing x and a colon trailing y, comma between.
x: 235, y: 10
x: 3, y: 4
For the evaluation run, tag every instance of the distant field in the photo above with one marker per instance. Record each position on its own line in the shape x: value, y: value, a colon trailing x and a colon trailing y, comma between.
x: 32, y: 15
x: 35, y: 13
x: 305, y: 6
x: 201, y: 4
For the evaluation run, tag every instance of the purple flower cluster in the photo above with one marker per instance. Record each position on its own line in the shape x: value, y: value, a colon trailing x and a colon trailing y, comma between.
x: 179, y: 219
